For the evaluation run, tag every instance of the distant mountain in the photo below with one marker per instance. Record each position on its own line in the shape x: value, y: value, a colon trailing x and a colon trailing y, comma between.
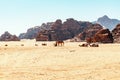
x: 107, y: 22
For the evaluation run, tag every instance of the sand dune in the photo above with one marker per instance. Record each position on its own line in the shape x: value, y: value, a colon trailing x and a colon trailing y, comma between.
x: 70, y: 62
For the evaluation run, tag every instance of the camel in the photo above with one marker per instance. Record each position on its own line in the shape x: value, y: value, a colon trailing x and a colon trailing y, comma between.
x: 55, y: 44
x: 59, y: 43
x: 84, y: 45
x: 94, y: 45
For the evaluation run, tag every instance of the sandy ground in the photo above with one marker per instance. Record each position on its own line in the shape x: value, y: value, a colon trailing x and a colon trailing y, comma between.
x: 70, y: 62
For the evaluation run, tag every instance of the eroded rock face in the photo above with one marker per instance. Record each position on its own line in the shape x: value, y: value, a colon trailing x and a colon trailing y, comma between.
x: 59, y: 30
x: 42, y: 37
x: 8, y: 37
x: 22, y: 36
x: 57, y: 25
x: 72, y: 26
x: 33, y: 32
x: 104, y: 36
x: 89, y: 32
x: 116, y: 33
x: 71, y: 29
x: 30, y: 34
x: 62, y: 31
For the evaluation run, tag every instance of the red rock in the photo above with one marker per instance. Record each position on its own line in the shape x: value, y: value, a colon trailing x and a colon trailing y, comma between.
x: 8, y: 37
x: 104, y: 36
x: 42, y: 37
x: 116, y: 33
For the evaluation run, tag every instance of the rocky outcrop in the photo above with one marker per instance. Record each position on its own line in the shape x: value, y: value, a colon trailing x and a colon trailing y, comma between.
x: 72, y: 26
x: 22, y: 36
x: 116, y: 33
x: 33, y: 32
x: 103, y: 36
x: 42, y: 37
x: 59, y: 30
x: 88, y: 32
x: 30, y: 34
x: 8, y: 37
x: 65, y: 30
x: 57, y: 25
x: 71, y: 29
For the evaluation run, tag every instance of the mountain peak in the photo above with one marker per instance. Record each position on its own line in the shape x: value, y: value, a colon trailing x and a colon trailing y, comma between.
x: 105, y: 16
x: 108, y: 22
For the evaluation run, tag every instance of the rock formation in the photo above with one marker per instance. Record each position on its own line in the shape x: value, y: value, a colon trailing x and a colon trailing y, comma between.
x: 42, y: 37
x: 116, y: 33
x: 59, y: 30
x: 65, y: 30
x: 88, y: 32
x: 33, y: 32
x: 8, y: 37
x: 103, y: 36
x: 30, y: 34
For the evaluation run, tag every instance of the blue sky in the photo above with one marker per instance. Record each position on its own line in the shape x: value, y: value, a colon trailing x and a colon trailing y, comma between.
x: 16, y: 16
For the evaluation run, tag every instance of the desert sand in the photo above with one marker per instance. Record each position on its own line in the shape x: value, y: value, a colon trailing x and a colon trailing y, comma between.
x: 69, y: 62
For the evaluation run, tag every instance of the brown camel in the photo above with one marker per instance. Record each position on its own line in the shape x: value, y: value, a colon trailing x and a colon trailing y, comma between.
x: 59, y: 43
